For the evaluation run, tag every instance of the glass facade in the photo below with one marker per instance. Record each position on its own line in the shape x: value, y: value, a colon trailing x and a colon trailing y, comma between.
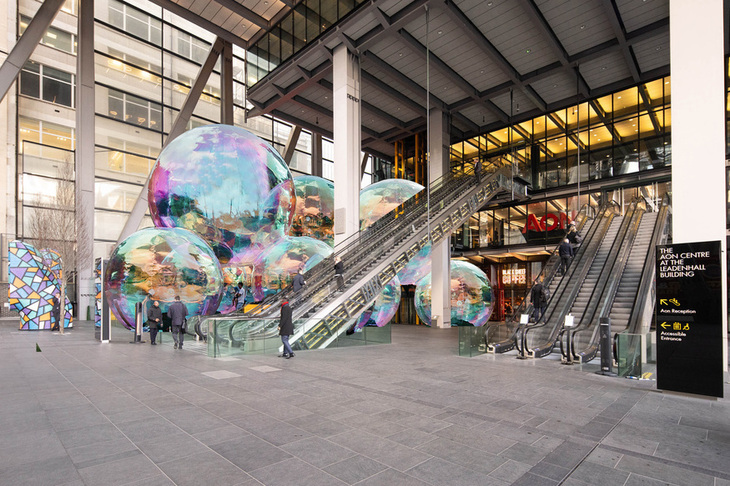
x: 617, y: 134
x: 298, y: 28
x: 146, y: 60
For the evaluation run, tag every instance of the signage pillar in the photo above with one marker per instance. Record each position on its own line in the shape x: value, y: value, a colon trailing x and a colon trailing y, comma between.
x: 689, y: 320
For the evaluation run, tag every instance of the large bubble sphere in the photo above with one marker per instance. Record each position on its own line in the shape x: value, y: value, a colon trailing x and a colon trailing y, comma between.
x: 314, y: 215
x: 276, y: 266
x: 417, y: 267
x: 378, y: 199
x: 471, y: 296
x: 384, y: 307
x: 162, y: 263
x: 225, y: 184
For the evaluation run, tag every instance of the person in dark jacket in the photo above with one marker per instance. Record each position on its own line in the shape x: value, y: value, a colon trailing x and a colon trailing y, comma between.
x: 178, y: 312
x: 572, y: 235
x: 339, y: 272
x: 154, y: 321
x: 56, y: 325
x: 298, y: 281
x: 565, y: 252
x: 286, y: 329
x: 537, y: 297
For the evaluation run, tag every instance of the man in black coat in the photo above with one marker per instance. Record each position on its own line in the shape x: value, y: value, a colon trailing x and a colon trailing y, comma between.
x: 178, y: 312
x: 298, y: 281
x: 339, y: 272
x: 286, y: 329
x: 565, y: 252
x: 538, y: 300
x: 56, y: 325
x: 154, y: 321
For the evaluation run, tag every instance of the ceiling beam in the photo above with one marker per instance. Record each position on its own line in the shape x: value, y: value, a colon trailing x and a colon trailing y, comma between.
x: 243, y: 12
x: 614, y: 18
x: 533, y: 11
x: 399, y: 77
x: 390, y: 24
x: 201, y: 22
x: 390, y: 92
x: 308, y: 79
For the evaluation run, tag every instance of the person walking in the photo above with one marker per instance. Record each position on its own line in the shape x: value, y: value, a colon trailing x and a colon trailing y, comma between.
x: 339, y: 272
x: 154, y: 321
x: 539, y: 300
x: 238, y: 296
x: 56, y: 313
x: 178, y: 313
x: 286, y: 329
x: 572, y: 236
x: 478, y: 170
x: 565, y: 252
x: 298, y: 281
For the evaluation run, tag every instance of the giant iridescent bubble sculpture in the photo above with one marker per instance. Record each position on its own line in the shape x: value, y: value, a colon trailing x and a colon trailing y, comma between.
x: 471, y: 296
x: 314, y: 215
x: 417, y: 267
x: 225, y: 184
x: 380, y: 198
x: 384, y: 307
x: 162, y: 263
x: 274, y: 268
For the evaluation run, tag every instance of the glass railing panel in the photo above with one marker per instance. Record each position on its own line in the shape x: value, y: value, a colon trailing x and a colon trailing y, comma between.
x: 473, y: 340
x: 636, y: 355
x: 249, y: 336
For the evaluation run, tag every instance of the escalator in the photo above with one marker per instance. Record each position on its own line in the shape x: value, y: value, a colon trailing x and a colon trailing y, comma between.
x: 628, y: 295
x: 372, y: 257
x: 503, y: 335
x: 601, y: 282
x: 538, y: 340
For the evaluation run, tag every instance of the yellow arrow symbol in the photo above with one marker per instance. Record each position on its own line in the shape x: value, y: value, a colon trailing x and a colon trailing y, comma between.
x: 665, y: 325
x: 662, y: 301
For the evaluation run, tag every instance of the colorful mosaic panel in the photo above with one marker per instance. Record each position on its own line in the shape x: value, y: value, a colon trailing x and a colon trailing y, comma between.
x: 33, y: 286
x: 97, y: 285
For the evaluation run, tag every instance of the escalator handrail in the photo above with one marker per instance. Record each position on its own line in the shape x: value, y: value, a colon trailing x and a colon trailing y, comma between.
x: 570, y: 294
x: 647, y: 274
x: 372, y: 234
x: 546, y: 274
x: 604, y: 294
x: 562, y: 285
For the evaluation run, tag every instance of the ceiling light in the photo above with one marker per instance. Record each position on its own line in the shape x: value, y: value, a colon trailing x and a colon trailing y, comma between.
x: 619, y: 98
x: 528, y: 50
x: 555, y: 86
x: 659, y: 48
x: 400, y: 54
x: 440, y: 32
x: 603, y: 68
x: 489, y: 4
x: 582, y: 27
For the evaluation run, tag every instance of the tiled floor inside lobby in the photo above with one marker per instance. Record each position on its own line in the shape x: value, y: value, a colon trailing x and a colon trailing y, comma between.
x: 408, y: 413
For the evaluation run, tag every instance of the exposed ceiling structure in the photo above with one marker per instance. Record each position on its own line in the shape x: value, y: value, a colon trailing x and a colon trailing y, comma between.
x: 491, y: 62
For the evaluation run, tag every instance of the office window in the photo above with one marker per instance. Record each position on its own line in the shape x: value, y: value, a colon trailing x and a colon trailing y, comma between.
x: 135, y: 110
x: 57, y: 38
x: 135, y: 22
x: 191, y: 47
x: 46, y: 83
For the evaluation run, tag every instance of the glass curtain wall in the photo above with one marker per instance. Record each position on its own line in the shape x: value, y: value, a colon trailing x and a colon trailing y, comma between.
x: 146, y: 60
x: 297, y: 29
x: 620, y: 133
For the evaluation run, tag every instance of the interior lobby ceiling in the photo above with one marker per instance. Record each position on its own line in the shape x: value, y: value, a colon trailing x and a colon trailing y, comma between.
x: 491, y: 62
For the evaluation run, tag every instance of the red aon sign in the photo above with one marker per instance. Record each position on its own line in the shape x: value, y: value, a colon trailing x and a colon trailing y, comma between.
x: 549, y: 222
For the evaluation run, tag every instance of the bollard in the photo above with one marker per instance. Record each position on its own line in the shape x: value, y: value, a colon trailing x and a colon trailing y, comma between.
x: 605, y: 346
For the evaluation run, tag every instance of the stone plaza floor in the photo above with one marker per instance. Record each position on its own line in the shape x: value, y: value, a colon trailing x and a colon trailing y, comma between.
x: 409, y: 413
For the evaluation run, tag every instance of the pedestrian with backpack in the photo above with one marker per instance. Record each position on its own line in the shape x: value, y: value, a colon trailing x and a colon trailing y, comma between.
x: 539, y: 295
